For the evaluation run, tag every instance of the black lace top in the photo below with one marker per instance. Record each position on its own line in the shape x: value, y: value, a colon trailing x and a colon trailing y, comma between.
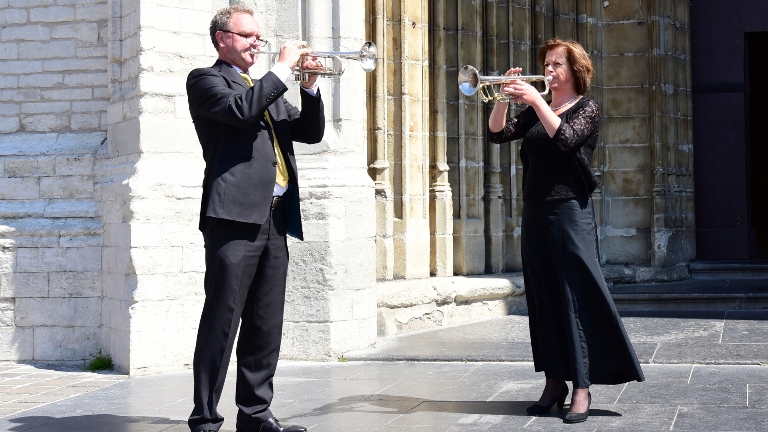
x: 559, y: 167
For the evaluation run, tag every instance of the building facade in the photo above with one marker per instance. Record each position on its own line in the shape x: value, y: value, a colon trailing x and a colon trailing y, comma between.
x: 411, y: 216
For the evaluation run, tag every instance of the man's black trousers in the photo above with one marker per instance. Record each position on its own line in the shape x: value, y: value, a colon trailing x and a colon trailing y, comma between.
x: 245, y: 273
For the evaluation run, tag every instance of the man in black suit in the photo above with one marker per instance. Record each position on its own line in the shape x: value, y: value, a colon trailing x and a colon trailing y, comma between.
x: 250, y: 201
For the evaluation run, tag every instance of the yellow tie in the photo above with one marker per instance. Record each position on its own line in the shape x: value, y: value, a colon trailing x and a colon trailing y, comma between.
x: 281, y: 174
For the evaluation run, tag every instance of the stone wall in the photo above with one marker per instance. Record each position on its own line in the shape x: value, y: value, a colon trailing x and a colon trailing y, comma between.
x: 53, y: 101
x: 641, y: 55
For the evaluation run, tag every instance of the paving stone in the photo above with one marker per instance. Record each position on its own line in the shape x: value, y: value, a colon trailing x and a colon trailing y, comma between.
x: 699, y: 418
x: 680, y: 394
x: 711, y: 353
x: 746, y: 327
x: 758, y: 395
x: 726, y: 375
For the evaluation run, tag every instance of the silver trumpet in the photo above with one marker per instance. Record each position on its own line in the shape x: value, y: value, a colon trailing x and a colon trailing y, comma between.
x: 366, y: 56
x: 470, y: 82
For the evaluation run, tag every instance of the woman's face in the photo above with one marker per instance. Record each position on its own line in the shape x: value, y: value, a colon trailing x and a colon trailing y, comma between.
x: 556, y: 65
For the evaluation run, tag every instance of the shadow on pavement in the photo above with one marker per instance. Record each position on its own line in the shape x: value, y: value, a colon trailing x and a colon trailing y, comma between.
x: 97, y: 423
x: 387, y: 404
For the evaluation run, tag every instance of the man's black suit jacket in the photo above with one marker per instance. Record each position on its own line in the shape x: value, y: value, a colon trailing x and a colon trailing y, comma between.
x: 237, y: 142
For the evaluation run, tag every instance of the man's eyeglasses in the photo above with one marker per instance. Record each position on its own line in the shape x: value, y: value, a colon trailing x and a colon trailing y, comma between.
x: 251, y: 39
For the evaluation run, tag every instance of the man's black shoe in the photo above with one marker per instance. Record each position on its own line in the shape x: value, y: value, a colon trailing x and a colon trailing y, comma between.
x: 273, y: 425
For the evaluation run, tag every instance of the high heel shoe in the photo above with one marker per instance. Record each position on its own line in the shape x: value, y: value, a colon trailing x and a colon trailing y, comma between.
x: 579, y: 417
x: 537, y: 409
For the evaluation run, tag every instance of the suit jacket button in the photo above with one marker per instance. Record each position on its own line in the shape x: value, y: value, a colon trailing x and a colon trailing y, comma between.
x: 274, y: 164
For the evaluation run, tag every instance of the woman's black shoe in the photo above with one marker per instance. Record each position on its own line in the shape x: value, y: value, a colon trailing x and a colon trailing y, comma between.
x: 579, y: 417
x: 537, y: 409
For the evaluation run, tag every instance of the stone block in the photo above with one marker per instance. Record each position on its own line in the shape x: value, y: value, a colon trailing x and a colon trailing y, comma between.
x: 44, y: 122
x: 6, y: 313
x: 22, y: 67
x: 74, y: 64
x: 68, y: 94
x: 626, y: 70
x: 9, y: 51
x: 9, y: 81
x: 116, y: 260
x: 29, y: 167
x: 9, y: 109
x: 627, y: 183
x: 630, y: 101
x: 625, y: 246
x: 77, y: 143
x: 46, y: 50
x: 66, y: 343
x: 306, y: 341
x: 629, y: 157
x: 68, y: 312
x: 45, y: 107
x: 83, y: 31
x: 85, y: 122
x: 629, y: 213
x: 92, y: 12
x: 26, y: 33
x: 19, y: 285
x: 40, y: 260
x: 16, y: 344
x: 623, y: 10
x: 74, y: 165
x: 20, y: 95
x: 74, y: 284
x: 12, y: 16
x: 66, y: 187
x: 9, y: 125
x: 83, y: 259
x: 52, y: 14
x: 625, y: 130
x: 625, y: 38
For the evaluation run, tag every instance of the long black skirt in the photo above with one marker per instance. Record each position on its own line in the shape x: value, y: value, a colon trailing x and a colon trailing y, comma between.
x: 576, y: 332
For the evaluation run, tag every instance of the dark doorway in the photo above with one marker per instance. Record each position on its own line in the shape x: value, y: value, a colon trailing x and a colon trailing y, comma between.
x: 757, y: 120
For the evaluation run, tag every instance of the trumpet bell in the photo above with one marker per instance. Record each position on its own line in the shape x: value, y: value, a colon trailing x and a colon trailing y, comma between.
x: 489, y: 87
x: 367, y: 56
x: 469, y: 79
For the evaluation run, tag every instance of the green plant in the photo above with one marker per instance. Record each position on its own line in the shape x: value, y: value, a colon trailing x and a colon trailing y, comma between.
x: 100, y: 362
x: 343, y: 359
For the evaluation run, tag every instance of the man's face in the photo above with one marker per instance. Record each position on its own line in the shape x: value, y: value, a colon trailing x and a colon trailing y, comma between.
x: 234, y: 48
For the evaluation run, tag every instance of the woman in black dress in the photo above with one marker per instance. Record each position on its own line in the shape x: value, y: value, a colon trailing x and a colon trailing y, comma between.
x: 576, y: 333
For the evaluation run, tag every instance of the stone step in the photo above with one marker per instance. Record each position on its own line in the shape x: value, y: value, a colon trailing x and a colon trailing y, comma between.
x: 694, y: 294
x: 745, y: 269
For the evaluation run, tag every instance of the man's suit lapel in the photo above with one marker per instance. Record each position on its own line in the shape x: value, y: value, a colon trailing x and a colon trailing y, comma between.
x: 230, y: 73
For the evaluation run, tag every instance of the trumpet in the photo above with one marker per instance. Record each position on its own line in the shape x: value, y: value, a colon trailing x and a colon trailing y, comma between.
x: 470, y: 82
x: 366, y: 56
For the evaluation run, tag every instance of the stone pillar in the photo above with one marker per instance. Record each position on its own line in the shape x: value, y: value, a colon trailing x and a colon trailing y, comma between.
x: 148, y: 186
x: 467, y: 158
x: 672, y: 235
x: 331, y: 299
x: 380, y: 140
x: 401, y: 136
x: 443, y: 98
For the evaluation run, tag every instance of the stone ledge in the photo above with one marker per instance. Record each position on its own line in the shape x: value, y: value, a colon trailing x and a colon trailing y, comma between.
x: 407, y: 306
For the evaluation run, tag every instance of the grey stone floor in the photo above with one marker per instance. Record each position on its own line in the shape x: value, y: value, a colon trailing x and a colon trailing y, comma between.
x: 426, y: 396
x: 705, y: 371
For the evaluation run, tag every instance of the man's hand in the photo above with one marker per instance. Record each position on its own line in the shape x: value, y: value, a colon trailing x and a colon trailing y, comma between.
x: 291, y: 52
x: 310, y: 63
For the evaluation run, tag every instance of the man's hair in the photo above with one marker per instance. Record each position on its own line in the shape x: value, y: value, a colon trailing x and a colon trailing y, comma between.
x: 578, y: 59
x: 222, y: 21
